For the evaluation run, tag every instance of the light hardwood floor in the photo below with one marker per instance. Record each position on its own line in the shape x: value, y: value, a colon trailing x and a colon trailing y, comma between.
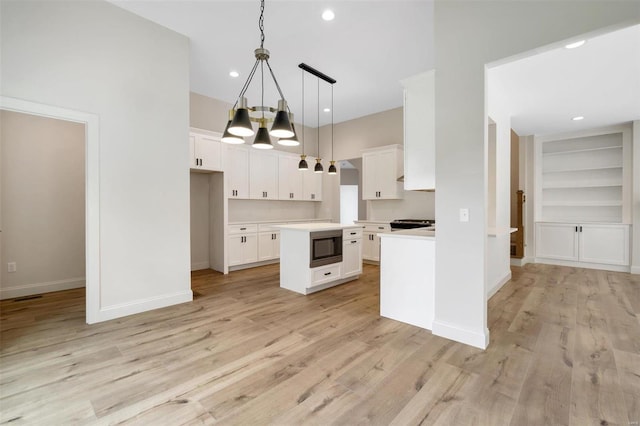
x: 565, y: 350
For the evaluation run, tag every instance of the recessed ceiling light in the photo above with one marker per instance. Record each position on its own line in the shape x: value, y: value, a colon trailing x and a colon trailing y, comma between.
x: 578, y: 118
x: 575, y: 44
x: 328, y: 15
x: 327, y: 110
x: 234, y: 74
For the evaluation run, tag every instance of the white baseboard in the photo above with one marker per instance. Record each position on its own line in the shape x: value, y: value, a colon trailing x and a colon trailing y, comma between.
x: 499, y: 285
x: 468, y: 337
x: 196, y: 266
x: 39, y: 288
x: 521, y: 262
x: 615, y: 268
x: 635, y: 270
x: 143, y: 305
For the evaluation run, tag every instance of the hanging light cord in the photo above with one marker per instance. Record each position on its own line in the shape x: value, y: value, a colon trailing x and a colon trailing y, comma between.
x: 332, y: 122
x: 318, y: 110
x: 261, y: 24
x: 303, y: 112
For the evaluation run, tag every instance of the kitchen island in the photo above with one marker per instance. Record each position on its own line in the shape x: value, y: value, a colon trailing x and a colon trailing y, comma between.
x: 407, y: 276
x: 316, y: 256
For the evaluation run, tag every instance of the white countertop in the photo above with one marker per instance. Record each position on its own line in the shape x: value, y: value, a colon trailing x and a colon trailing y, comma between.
x: 315, y: 226
x: 282, y: 221
x: 386, y: 222
x: 415, y: 233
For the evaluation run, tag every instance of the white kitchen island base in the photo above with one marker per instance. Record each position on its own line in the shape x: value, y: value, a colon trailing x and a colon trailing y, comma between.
x: 407, y: 277
x: 297, y: 275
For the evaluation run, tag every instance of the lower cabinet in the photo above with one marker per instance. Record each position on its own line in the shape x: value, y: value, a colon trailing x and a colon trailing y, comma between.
x: 586, y: 243
x: 243, y: 249
x: 325, y: 274
x: 351, y: 257
x: 371, y: 241
x: 268, y: 245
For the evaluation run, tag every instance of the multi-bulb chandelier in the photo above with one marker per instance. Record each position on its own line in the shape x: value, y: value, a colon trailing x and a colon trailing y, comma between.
x: 240, y: 116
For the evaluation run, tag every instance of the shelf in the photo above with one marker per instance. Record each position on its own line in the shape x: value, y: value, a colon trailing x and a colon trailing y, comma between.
x: 549, y: 154
x: 585, y: 169
x: 573, y: 185
x: 582, y: 204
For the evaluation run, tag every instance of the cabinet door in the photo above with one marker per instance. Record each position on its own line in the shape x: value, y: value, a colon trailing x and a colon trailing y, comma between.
x: 235, y: 246
x: 267, y: 246
x: 386, y: 175
x: 368, y: 245
x: 608, y: 244
x: 376, y: 247
x: 312, y: 185
x: 351, y: 257
x: 250, y: 248
x: 276, y: 245
x: 209, y: 151
x: 263, y: 175
x: 557, y: 241
x: 369, y: 182
x: 289, y: 178
x: 237, y: 171
x: 192, y: 152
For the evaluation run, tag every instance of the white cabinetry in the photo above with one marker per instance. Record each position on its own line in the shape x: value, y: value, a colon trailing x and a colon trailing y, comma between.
x: 242, y: 244
x: 206, y: 150
x: 237, y: 170
x: 419, y: 131
x: 289, y: 178
x: 604, y: 246
x: 381, y: 168
x: 268, y: 242
x: 351, y: 252
x: 371, y: 241
x: 263, y: 175
x: 311, y: 185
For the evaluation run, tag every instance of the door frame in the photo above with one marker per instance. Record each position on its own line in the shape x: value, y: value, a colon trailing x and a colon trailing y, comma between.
x: 92, y: 189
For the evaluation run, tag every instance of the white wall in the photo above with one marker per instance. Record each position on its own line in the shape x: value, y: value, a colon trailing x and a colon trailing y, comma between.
x: 414, y: 205
x: 635, y: 228
x: 469, y: 35
x: 132, y: 74
x: 43, y: 203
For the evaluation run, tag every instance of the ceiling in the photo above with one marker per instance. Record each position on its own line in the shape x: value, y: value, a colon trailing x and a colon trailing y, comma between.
x: 368, y: 48
x: 599, y: 81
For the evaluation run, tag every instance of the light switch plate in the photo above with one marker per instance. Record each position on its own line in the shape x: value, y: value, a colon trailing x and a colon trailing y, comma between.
x: 464, y: 215
x: 11, y: 267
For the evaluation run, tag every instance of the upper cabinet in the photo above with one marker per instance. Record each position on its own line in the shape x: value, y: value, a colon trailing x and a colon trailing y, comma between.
x: 206, y: 150
x: 311, y: 185
x: 289, y: 177
x: 237, y: 170
x: 419, y: 132
x: 381, y: 168
x: 263, y: 175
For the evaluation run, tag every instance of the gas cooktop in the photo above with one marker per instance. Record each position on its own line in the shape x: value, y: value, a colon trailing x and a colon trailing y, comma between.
x: 411, y: 223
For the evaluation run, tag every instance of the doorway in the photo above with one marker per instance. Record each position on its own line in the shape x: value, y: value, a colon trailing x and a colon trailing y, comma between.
x: 350, y: 191
x: 91, y: 255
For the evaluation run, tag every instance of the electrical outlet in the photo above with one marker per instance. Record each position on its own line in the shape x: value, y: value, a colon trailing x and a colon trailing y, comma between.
x: 464, y: 215
x: 12, y: 267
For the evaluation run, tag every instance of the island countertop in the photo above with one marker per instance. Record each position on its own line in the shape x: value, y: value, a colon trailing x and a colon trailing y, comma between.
x: 317, y: 226
x: 415, y: 233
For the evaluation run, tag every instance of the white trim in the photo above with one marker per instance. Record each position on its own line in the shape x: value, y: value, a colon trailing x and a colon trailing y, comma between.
x: 143, y: 305
x: 38, y: 288
x: 520, y: 262
x: 505, y: 279
x: 197, y: 266
x: 92, y: 188
x: 635, y: 270
x: 615, y: 268
x: 468, y: 337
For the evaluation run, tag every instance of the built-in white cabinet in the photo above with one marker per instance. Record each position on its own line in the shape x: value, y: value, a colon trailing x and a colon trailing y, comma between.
x: 586, y: 244
x: 381, y: 168
x: 263, y: 175
x: 242, y: 244
x: 205, y: 151
x: 268, y: 242
x: 237, y: 171
x: 290, y: 179
x: 351, y: 252
x: 419, y: 132
x: 371, y: 241
x: 311, y: 185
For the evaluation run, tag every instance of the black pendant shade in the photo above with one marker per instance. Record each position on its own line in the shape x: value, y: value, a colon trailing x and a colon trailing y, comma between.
x: 262, y: 140
x: 318, y: 167
x: 332, y: 168
x: 302, y: 165
x: 292, y: 141
x: 281, y: 126
x: 241, y: 124
x: 227, y: 137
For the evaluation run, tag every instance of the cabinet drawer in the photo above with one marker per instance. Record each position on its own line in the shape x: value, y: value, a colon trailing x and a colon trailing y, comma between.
x: 351, y: 233
x: 269, y: 227
x: 325, y: 274
x: 378, y: 227
x: 243, y: 229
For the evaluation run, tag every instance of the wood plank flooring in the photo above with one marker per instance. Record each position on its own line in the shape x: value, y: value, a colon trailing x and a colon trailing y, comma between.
x: 565, y: 350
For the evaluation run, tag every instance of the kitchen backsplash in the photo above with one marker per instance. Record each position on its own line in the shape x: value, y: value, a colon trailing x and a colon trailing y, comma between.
x: 414, y: 205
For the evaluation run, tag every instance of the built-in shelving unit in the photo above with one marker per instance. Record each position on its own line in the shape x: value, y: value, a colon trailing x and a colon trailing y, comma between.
x: 582, y: 179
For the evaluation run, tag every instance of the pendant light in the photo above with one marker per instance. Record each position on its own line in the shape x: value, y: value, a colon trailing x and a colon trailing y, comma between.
x: 228, y: 137
x: 240, y: 124
x: 302, y: 165
x: 318, y: 167
x: 293, y: 140
x: 332, y: 168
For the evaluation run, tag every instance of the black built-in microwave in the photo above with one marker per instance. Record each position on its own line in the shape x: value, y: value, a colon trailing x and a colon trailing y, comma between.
x: 325, y: 247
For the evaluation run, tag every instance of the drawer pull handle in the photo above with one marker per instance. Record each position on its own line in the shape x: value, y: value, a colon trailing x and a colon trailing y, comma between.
x: 380, y: 227
x: 243, y: 229
x: 353, y: 233
x: 353, y: 242
x: 327, y: 273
